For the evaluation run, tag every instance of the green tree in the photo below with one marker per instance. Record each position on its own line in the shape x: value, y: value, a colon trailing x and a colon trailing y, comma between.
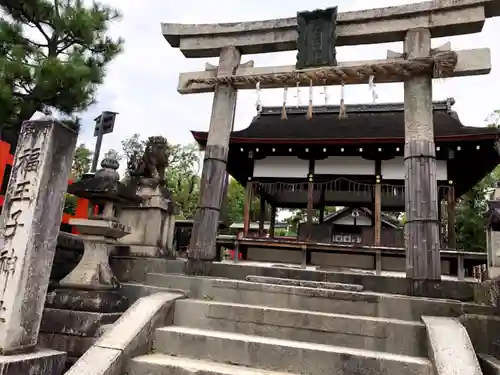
x: 182, y: 175
x: 300, y: 216
x: 235, y: 203
x: 133, y: 148
x: 470, y: 211
x: 81, y: 161
x: 112, y: 154
x: 52, y: 53
x: 472, y: 206
x: 183, y: 179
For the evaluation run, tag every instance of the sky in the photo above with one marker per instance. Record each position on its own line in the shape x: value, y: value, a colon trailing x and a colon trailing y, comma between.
x: 141, y: 84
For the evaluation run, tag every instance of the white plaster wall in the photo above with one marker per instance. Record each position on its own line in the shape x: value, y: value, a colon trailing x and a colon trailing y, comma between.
x: 394, y: 169
x: 281, y: 166
x: 345, y: 165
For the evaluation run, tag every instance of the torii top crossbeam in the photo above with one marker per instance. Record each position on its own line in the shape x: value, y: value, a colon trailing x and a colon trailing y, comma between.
x: 441, y: 17
x: 380, y: 25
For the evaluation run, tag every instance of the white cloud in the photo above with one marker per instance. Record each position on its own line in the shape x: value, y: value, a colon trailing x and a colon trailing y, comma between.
x: 141, y: 83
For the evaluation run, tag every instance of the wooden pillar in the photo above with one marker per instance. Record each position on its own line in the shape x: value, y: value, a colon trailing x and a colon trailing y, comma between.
x: 247, y: 207
x: 377, y: 214
x: 421, y: 198
x: 440, y: 219
x: 450, y: 208
x: 378, y: 263
x: 460, y: 266
x: 322, y: 205
x: 262, y: 215
x: 310, y: 206
x: 310, y: 199
x: 272, y: 224
x: 202, y: 249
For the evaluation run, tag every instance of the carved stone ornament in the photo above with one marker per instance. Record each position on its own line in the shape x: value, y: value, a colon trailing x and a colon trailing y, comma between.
x: 153, y: 162
x: 316, y: 38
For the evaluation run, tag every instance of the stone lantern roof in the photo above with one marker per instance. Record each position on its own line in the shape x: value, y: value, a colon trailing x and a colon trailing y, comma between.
x: 105, y: 185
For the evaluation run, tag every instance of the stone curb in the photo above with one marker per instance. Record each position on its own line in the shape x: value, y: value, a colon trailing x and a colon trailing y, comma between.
x: 450, y: 348
x: 128, y: 337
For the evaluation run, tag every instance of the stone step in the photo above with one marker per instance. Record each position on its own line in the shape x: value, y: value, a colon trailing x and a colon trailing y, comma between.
x: 283, y: 355
x: 379, y: 334
x: 317, y: 299
x: 305, y: 283
x: 161, y: 364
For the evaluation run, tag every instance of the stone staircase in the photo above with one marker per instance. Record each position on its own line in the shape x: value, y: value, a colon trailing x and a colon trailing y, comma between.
x: 274, y: 326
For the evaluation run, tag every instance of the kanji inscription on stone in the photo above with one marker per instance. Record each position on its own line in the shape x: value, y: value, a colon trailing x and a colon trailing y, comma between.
x: 316, y: 38
x: 30, y: 223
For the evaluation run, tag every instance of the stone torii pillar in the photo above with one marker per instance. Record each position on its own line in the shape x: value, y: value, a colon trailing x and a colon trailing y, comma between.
x: 421, y: 196
x: 202, y: 249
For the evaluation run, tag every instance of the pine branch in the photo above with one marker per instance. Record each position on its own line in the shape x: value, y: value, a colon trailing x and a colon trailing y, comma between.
x: 20, y: 10
x: 63, y: 73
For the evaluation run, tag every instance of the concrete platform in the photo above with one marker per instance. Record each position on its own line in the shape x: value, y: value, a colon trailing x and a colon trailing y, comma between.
x: 161, y: 364
x: 315, y: 299
x: 283, y: 355
x: 394, y: 283
x: 272, y: 324
x: 306, y: 283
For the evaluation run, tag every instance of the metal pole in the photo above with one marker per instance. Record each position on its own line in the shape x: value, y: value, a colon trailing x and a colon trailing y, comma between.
x: 98, y: 144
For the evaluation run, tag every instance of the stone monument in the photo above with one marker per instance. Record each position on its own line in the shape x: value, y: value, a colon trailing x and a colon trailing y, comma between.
x: 30, y: 219
x: 152, y: 220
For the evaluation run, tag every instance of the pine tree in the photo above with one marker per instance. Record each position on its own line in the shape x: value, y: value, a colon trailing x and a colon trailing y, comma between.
x: 52, y: 53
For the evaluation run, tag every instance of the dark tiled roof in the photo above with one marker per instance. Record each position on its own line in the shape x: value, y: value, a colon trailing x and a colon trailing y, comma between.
x: 377, y: 122
x: 94, y: 188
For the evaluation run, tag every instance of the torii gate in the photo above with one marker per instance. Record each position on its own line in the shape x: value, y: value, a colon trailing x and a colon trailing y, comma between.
x: 415, y: 24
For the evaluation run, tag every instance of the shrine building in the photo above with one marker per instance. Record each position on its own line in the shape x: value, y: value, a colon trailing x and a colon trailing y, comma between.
x: 352, y: 162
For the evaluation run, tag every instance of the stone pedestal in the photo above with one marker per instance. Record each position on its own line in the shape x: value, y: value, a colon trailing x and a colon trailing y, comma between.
x: 73, y: 319
x: 30, y: 220
x: 39, y: 362
x: 87, y: 298
x: 152, y: 223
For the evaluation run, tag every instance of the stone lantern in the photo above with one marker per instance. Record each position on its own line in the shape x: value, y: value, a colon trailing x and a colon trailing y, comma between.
x: 102, y: 229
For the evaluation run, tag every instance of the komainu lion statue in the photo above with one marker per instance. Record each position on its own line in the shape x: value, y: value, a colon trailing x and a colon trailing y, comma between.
x: 153, y: 162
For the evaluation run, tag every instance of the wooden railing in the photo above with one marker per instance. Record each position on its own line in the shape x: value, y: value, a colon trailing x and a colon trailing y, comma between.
x: 6, y: 159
